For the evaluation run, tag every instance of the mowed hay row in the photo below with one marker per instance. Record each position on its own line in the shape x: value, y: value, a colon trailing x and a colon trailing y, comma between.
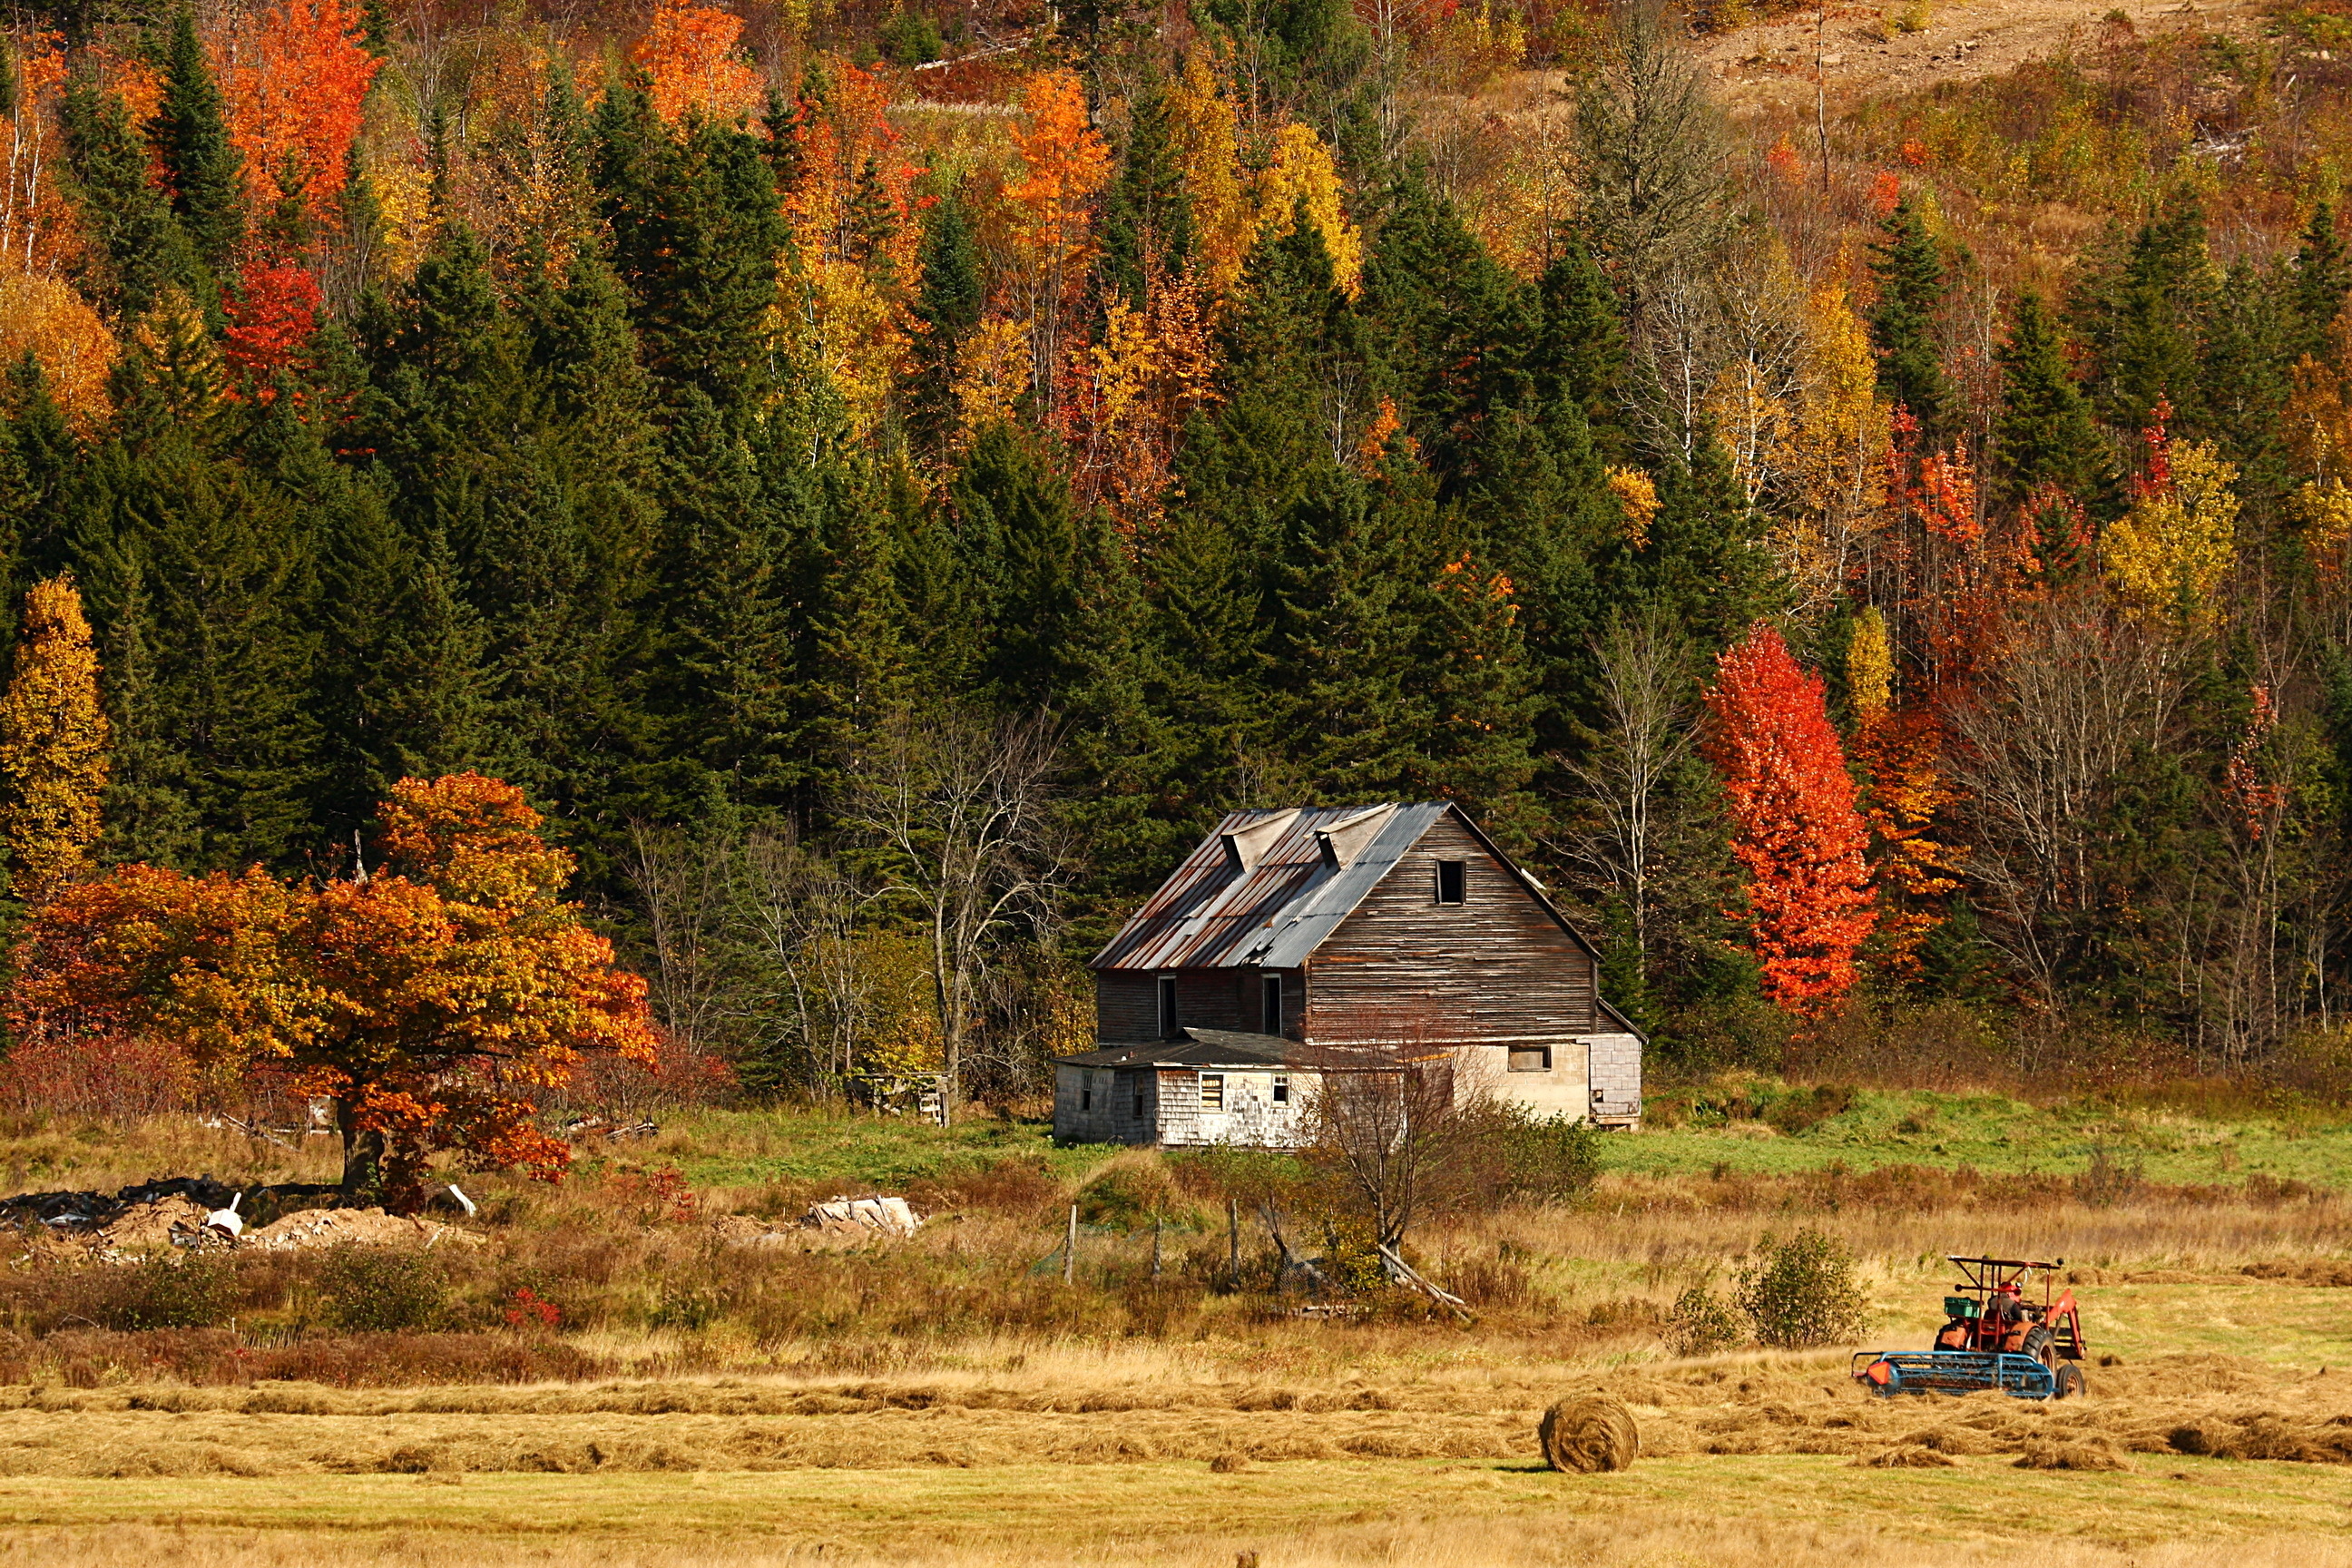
x: 2206, y: 1406
x: 35, y: 1442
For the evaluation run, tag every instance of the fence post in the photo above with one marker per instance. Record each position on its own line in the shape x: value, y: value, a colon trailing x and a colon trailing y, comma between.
x: 1070, y: 1249
x: 1233, y: 1241
x: 1155, y: 1246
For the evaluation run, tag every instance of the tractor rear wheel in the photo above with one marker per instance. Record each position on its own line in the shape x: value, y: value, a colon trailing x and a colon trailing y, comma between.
x: 2039, y: 1344
x: 2070, y: 1383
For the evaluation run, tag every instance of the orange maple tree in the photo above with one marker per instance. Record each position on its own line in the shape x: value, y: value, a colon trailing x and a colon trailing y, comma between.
x: 690, y: 52
x: 296, y: 80
x: 428, y: 999
x: 1799, y: 838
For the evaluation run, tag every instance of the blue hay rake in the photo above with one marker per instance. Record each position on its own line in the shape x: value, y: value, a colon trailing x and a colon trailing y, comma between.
x: 1889, y: 1373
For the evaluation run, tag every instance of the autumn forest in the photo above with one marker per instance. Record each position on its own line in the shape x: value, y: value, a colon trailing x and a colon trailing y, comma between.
x: 840, y: 496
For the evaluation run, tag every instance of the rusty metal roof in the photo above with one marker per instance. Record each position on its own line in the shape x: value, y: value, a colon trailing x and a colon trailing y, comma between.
x: 1267, y: 887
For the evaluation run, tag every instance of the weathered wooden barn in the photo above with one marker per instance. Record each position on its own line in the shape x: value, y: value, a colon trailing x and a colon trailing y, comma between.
x: 1289, y: 939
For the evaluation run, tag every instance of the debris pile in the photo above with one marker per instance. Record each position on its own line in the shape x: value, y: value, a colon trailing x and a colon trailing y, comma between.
x: 851, y: 1216
x: 362, y: 1228
x: 837, y: 1220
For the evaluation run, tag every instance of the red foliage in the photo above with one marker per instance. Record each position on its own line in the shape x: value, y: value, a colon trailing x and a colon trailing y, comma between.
x: 530, y: 1310
x: 1800, y: 838
x: 271, y: 314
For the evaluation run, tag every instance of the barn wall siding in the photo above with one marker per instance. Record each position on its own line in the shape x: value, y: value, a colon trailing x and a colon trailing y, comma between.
x: 1494, y: 968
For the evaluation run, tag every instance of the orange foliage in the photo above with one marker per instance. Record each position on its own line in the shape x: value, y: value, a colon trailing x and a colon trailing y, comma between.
x: 690, y: 52
x: 295, y: 77
x: 429, y: 1000
x: 37, y: 223
x: 1799, y: 836
x: 1125, y: 401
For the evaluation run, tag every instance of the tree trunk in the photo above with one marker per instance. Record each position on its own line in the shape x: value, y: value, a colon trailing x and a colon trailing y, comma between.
x: 362, y: 1152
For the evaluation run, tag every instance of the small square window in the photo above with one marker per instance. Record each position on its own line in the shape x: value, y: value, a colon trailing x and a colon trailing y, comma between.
x: 1212, y: 1091
x: 1531, y: 1059
x: 1449, y: 881
x: 1281, y: 1091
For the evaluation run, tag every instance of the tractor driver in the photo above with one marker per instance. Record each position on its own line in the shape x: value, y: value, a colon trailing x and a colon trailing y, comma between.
x: 2005, y: 1312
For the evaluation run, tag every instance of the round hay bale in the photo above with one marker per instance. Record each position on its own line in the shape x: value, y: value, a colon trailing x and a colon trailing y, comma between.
x: 1594, y: 1433
x: 1228, y: 1464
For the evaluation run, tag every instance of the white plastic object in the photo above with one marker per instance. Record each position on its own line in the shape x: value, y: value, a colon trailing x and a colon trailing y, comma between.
x: 462, y: 1201
x: 228, y: 1221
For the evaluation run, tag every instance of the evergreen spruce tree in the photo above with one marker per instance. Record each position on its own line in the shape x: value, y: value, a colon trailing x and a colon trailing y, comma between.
x: 141, y: 250
x: 1450, y: 328
x: 1020, y: 550
x: 2142, y: 307
x: 954, y: 290
x: 1909, y: 270
x: 200, y: 164
x: 2322, y: 277
x: 1577, y: 351
x: 1147, y: 222
x: 2044, y: 433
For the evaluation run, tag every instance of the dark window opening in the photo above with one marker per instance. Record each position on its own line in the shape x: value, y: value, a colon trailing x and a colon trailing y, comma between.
x: 1085, y: 1100
x: 1139, y: 1108
x: 1167, y: 1007
x: 1449, y: 881
x: 1270, y: 1004
x: 1281, y: 1091
x: 1531, y: 1059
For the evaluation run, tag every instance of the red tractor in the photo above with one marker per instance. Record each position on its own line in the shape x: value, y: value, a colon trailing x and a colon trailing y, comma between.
x: 1995, y: 1338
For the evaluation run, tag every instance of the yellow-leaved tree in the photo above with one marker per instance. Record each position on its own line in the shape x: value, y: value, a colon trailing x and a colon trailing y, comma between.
x: 2170, y: 552
x: 53, y: 739
x: 1304, y: 176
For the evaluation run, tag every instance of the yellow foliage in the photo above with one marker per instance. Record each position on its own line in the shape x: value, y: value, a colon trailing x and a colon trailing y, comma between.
x: 839, y: 323
x: 2171, y: 550
x: 75, y: 350
x: 1207, y: 132
x: 1303, y: 171
x: 53, y: 738
x: 1834, y: 450
x: 899, y: 1035
x: 1870, y: 664
x: 991, y: 375
x: 403, y: 196
x: 1637, y: 497
x: 2326, y: 511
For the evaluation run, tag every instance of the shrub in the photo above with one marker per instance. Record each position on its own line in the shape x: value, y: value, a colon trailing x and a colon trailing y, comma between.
x: 198, y: 1290
x: 1802, y: 1292
x: 1551, y: 1159
x: 375, y: 1289
x: 1801, y: 1110
x: 1128, y: 1197
x: 1703, y: 1323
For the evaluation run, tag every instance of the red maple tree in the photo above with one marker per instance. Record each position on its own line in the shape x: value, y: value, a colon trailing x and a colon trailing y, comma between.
x: 1800, y: 836
x: 295, y: 78
x: 271, y: 314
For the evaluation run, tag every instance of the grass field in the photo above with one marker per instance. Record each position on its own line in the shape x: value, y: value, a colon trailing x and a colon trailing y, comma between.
x: 943, y: 1401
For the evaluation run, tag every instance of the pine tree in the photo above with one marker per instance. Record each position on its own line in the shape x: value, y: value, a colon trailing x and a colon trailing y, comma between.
x: 1577, y: 351
x: 53, y: 747
x: 1019, y: 549
x: 2323, y: 275
x: 954, y: 290
x: 1147, y: 222
x: 142, y: 249
x: 2142, y: 308
x: 1909, y: 269
x: 2044, y: 434
x: 1451, y: 327
x: 200, y: 164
